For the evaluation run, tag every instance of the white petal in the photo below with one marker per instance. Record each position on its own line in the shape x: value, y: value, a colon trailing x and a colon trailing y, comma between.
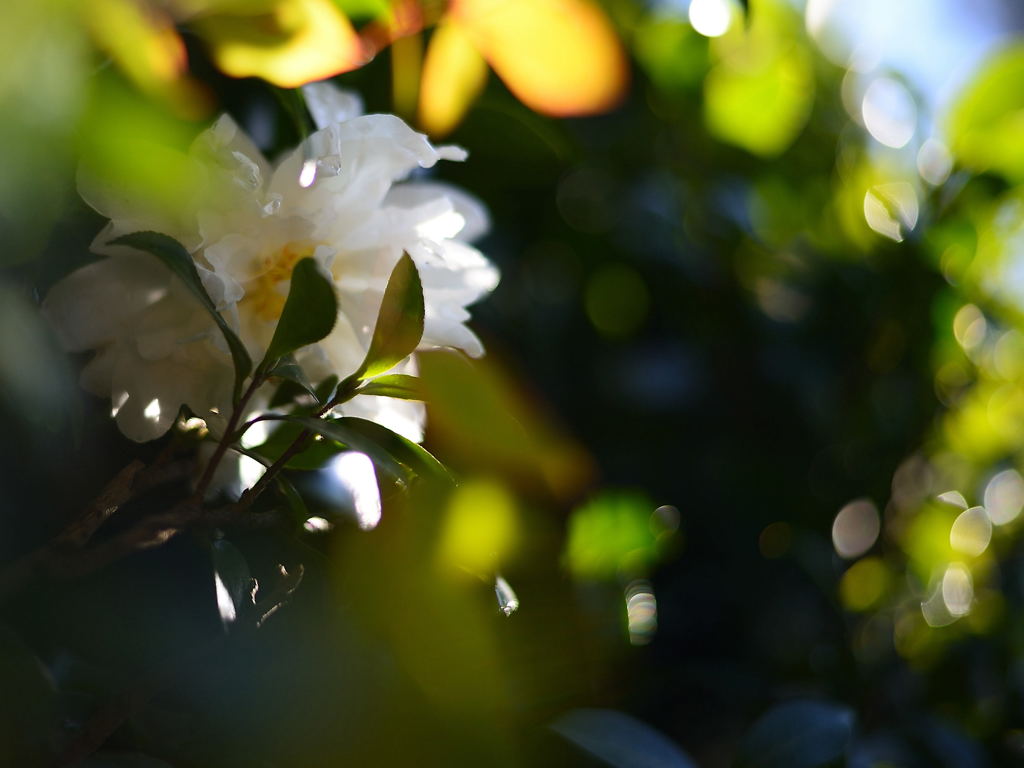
x: 99, y: 302
x: 329, y: 104
x: 474, y: 214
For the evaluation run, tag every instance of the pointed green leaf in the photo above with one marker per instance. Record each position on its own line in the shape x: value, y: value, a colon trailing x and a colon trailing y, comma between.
x: 411, y: 454
x: 394, y: 385
x: 292, y: 498
x: 391, y: 452
x: 174, y: 255
x: 400, y: 322
x: 289, y: 370
x: 326, y: 388
x: 309, y: 313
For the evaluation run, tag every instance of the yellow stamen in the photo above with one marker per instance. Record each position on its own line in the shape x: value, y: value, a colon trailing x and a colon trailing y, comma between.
x: 265, y: 295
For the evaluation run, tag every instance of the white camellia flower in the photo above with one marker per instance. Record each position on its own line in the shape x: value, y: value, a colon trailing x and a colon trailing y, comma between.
x: 341, y: 197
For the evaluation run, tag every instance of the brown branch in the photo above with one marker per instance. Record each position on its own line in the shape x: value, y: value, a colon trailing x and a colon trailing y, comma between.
x: 75, y: 535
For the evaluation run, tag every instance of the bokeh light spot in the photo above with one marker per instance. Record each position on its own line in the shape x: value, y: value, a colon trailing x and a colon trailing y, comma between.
x: 1004, y: 496
x: 971, y: 532
x: 855, y: 528
x: 711, y: 18
x: 641, y: 612
x: 889, y: 112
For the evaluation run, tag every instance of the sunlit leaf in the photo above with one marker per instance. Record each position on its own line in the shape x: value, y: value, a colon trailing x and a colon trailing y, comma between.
x: 759, y: 94
x: 309, y: 313
x: 480, y: 421
x: 986, y: 121
x: 400, y: 321
x: 133, y: 149
x: 392, y: 452
x: 143, y: 41
x: 298, y: 42
x: 398, y: 385
x: 233, y: 584
x: 180, y: 262
x: 797, y: 734
x: 364, y: 9
x: 480, y: 529
x: 454, y: 73
x: 559, y: 57
x: 619, y: 740
x: 612, y: 535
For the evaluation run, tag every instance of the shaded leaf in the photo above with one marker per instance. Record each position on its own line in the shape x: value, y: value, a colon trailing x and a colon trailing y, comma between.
x: 620, y: 740
x: 180, y: 262
x: 233, y: 582
x: 291, y: 372
x: 398, y: 385
x: 309, y: 313
x: 293, y: 499
x: 797, y: 734
x: 399, y: 323
x: 325, y: 389
x: 314, y: 456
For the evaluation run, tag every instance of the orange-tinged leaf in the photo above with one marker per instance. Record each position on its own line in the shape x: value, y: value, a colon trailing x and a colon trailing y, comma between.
x: 299, y: 42
x: 559, y: 57
x: 453, y: 75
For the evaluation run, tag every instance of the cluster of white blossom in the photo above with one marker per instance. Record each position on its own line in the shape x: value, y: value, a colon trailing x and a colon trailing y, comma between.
x: 342, y: 197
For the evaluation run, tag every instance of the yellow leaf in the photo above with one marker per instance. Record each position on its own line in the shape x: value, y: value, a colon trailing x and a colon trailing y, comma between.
x: 143, y: 41
x: 453, y: 75
x: 559, y: 57
x: 300, y: 41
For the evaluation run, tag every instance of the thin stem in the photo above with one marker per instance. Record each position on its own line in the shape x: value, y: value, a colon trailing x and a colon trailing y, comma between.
x: 228, y: 436
x: 345, y: 393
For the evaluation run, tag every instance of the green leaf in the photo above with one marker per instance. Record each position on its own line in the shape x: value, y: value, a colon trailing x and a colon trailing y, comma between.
x: 174, y: 255
x: 411, y: 454
x: 985, y: 122
x: 289, y: 370
x: 292, y: 498
x: 391, y: 452
x: 394, y: 385
x: 797, y: 734
x: 309, y: 313
x: 233, y: 583
x: 619, y: 740
x: 325, y: 389
x: 315, y: 455
x: 364, y: 10
x: 400, y: 322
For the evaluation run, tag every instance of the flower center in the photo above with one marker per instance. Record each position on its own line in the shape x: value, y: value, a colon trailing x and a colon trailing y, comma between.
x: 265, y: 294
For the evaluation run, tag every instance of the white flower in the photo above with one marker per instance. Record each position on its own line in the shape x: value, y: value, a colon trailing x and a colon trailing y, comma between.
x: 353, y: 212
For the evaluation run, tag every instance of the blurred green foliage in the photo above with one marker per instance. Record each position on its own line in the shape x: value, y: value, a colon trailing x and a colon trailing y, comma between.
x: 727, y: 293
